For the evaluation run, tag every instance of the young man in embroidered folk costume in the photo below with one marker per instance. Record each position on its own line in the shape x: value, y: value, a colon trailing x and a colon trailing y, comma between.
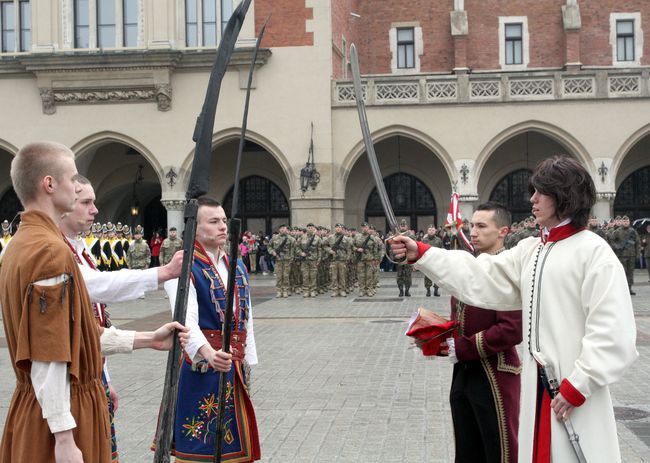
x: 108, y: 287
x: 59, y: 409
x: 577, y: 313
x: 485, y: 388
x: 198, y: 389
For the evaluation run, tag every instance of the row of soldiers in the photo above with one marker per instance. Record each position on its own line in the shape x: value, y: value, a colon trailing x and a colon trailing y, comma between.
x: 623, y: 239
x: 315, y: 260
x: 618, y: 232
x: 113, y: 247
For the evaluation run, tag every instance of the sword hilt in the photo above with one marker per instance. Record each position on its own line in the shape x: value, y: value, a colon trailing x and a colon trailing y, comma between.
x: 388, y: 252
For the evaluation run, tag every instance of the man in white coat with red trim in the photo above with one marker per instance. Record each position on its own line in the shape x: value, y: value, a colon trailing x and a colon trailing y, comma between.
x: 577, y: 313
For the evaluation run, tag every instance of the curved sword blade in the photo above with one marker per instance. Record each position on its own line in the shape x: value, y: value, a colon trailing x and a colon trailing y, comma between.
x: 367, y: 140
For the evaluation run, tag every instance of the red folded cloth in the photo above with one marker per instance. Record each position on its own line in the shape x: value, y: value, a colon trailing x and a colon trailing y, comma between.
x: 432, y: 330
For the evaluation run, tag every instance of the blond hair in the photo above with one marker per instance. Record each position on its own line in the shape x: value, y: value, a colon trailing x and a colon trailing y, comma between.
x: 33, y: 162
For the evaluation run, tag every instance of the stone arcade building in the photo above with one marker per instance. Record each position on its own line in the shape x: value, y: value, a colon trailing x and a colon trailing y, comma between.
x: 460, y: 94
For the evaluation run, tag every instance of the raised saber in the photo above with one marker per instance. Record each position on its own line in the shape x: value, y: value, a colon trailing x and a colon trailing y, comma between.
x: 370, y: 150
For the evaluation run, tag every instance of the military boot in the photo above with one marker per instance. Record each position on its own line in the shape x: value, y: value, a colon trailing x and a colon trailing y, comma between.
x: 435, y: 291
x: 406, y: 292
x: 401, y: 290
x: 428, y: 292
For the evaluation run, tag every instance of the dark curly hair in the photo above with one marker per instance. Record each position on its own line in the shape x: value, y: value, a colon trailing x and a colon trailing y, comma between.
x: 569, y: 183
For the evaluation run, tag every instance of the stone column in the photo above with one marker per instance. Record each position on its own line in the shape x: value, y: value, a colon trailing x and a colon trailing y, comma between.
x: 320, y: 211
x: 604, y: 206
x: 175, y: 210
x: 467, y: 205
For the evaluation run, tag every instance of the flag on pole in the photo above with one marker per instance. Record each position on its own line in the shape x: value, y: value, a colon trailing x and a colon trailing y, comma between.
x: 455, y: 219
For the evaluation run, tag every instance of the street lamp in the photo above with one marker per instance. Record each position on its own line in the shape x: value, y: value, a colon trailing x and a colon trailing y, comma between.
x: 135, y: 206
x: 309, y: 176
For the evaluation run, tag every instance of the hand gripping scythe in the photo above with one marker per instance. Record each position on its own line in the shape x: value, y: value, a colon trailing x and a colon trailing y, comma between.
x: 198, y: 186
x: 372, y: 156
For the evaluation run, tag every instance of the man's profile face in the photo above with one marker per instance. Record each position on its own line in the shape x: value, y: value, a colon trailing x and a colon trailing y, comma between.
x: 83, y: 215
x: 485, y: 232
x: 212, y: 226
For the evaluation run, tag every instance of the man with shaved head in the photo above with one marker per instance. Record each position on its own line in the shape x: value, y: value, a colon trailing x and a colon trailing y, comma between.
x: 58, y: 411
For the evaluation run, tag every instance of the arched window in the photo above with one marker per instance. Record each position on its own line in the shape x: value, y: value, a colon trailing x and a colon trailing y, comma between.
x: 411, y: 199
x: 512, y: 191
x: 633, y: 195
x: 262, y: 204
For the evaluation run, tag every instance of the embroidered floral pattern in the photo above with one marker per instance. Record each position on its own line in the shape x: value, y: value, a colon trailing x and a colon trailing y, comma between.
x: 203, y: 425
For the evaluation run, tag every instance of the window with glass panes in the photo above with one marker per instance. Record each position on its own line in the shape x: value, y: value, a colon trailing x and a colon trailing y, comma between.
x: 514, y: 43
x: 15, y: 26
x: 625, y: 40
x: 81, y: 24
x: 405, y: 47
x: 205, y: 21
x: 106, y: 23
x: 130, y: 23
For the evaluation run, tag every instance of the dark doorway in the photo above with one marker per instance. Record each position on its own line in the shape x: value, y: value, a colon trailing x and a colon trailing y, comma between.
x: 154, y: 218
x: 512, y: 191
x: 633, y: 195
x: 9, y: 207
x: 410, y: 197
x: 262, y: 205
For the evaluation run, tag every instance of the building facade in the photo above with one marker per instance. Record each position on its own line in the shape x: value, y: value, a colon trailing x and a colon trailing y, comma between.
x: 461, y: 95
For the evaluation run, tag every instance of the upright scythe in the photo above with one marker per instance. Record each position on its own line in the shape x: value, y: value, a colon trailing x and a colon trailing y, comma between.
x: 198, y: 186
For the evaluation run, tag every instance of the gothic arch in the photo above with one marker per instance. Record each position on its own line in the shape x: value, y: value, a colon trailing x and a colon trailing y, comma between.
x: 234, y: 133
x: 83, y: 146
x: 391, y: 131
x: 554, y: 132
x: 616, y: 170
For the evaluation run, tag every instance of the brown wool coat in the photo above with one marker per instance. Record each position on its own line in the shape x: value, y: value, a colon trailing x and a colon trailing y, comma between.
x: 50, y: 324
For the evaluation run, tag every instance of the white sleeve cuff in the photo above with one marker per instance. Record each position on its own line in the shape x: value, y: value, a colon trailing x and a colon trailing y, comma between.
x: 114, y: 341
x: 61, y: 422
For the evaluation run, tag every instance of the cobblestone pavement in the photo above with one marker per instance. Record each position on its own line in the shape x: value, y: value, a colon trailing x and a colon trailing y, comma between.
x: 337, y: 381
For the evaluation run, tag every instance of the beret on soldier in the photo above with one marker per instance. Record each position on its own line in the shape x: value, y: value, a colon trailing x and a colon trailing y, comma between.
x: 339, y: 225
x: 365, y: 224
x: 173, y: 229
x: 310, y: 225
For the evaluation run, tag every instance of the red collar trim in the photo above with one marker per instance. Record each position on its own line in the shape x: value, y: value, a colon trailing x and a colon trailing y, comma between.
x: 560, y: 233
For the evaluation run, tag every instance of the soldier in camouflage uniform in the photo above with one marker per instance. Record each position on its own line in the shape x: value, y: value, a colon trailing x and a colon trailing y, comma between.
x: 295, y: 275
x: 350, y: 233
x: 308, y: 251
x: 626, y: 244
x: 432, y: 239
x: 339, y: 247
x: 379, y: 255
x: 365, y: 252
x: 404, y: 271
x: 595, y: 227
x: 139, y: 254
x: 323, y: 262
x: 646, y: 250
x: 281, y: 247
x: 169, y: 246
